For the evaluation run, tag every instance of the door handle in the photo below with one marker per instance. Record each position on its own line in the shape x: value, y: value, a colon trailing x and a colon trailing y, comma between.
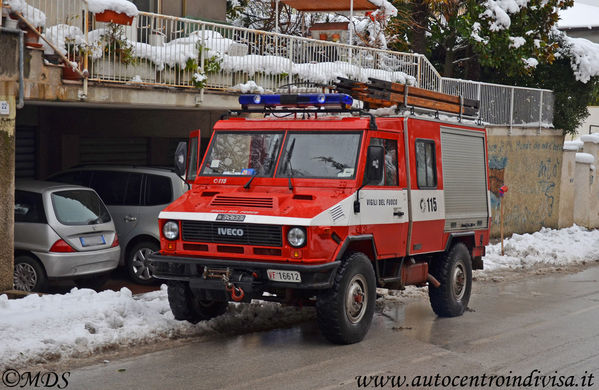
x: 398, y: 213
x: 129, y: 218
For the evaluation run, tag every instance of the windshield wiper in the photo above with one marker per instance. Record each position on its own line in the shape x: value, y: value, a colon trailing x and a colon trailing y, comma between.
x: 247, y: 185
x: 288, y: 163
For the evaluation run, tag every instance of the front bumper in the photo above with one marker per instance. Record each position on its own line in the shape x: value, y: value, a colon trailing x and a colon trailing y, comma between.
x: 249, y: 275
x: 66, y: 265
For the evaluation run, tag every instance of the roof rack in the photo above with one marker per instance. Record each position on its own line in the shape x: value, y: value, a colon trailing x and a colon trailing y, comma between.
x: 380, y: 94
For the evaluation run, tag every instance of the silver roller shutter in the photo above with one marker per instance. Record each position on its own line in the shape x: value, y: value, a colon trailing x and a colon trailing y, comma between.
x: 464, y: 179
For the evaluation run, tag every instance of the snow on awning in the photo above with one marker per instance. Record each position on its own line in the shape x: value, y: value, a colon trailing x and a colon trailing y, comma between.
x: 330, y: 5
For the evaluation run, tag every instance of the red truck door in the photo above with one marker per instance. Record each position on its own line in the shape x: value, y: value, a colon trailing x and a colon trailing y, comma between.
x: 384, y: 205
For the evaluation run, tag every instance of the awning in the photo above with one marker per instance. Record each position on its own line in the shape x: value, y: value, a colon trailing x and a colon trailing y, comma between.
x: 330, y: 5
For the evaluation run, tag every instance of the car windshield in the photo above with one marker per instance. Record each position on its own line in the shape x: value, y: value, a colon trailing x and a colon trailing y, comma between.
x: 321, y: 155
x: 79, y: 207
x: 238, y: 153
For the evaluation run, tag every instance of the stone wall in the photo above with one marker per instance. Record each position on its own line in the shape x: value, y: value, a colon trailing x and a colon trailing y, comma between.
x: 8, y: 75
x: 529, y: 162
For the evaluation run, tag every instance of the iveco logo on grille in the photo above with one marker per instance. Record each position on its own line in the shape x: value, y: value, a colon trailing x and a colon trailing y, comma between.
x: 229, y: 232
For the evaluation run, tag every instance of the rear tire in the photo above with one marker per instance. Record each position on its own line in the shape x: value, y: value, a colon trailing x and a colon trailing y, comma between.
x: 345, y: 311
x: 454, y: 271
x: 187, y: 307
x: 138, y: 264
x: 29, y: 274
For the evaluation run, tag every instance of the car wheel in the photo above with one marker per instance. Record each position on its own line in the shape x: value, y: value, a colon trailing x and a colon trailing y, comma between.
x: 187, y: 307
x: 345, y: 311
x: 138, y: 264
x: 29, y: 274
x: 94, y: 282
x: 454, y: 272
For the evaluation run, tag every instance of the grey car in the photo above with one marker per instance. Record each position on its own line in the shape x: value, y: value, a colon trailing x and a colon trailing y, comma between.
x: 62, y: 232
x: 134, y: 196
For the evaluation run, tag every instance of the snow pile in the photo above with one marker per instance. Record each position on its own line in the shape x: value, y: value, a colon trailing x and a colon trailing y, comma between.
x: 249, y: 87
x: 547, y: 246
x: 498, y: 12
x: 585, y: 158
x: 42, y: 329
x: 575, y: 145
x: 584, y: 58
x: 33, y: 15
x: 61, y: 35
x: 593, y: 137
x: 120, y: 6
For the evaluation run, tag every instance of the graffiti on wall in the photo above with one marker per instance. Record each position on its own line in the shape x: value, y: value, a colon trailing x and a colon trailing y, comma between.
x: 532, y: 171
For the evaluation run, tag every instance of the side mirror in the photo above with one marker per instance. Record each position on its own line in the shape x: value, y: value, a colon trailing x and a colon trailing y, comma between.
x: 375, y: 163
x: 181, y: 158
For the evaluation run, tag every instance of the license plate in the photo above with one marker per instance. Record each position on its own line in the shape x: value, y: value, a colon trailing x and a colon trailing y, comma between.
x: 284, y: 276
x: 92, y: 240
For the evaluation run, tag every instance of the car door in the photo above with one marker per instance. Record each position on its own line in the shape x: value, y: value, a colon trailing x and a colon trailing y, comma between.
x: 121, y: 192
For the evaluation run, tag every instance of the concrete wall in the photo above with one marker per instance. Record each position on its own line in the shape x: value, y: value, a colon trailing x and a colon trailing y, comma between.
x: 204, y: 9
x: 8, y: 75
x: 590, y: 123
x: 567, y: 189
x: 529, y: 162
x: 582, y: 199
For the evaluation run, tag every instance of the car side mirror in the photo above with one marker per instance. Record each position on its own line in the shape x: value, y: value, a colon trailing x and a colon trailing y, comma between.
x: 375, y: 162
x: 181, y: 158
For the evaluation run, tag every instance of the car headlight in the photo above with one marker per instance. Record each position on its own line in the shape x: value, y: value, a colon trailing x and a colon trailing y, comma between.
x: 296, y: 237
x: 171, y: 230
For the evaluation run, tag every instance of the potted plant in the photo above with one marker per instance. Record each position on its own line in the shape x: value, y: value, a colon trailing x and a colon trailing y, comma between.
x: 75, y: 53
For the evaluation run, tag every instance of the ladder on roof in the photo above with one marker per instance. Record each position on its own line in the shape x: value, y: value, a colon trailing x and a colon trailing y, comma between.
x: 380, y: 93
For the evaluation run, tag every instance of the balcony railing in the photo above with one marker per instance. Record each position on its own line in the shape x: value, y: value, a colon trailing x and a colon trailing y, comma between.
x: 169, y: 51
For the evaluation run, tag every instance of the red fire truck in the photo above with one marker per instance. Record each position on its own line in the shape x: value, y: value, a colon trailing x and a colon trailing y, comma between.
x: 305, y: 206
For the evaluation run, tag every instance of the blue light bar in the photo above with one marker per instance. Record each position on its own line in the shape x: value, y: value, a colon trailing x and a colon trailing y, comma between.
x: 298, y: 100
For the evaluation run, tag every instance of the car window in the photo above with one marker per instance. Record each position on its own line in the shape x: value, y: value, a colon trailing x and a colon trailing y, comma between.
x: 79, y: 207
x: 111, y: 186
x: 29, y: 207
x: 133, y: 191
x: 158, y: 190
x: 80, y: 178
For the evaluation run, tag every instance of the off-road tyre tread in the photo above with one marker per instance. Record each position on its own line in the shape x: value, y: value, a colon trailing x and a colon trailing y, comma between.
x: 185, y: 306
x: 441, y: 297
x: 330, y: 311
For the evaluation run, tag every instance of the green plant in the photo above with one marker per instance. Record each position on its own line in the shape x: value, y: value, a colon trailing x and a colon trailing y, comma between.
x: 116, y: 44
x: 212, y: 64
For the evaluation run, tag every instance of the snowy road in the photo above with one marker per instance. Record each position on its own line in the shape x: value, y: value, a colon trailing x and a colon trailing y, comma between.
x: 545, y: 323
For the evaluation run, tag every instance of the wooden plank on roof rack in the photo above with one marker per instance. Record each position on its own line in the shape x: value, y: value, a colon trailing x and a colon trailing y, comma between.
x: 399, y: 98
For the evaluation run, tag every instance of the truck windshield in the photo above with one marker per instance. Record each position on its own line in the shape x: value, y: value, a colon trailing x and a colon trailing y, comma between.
x: 332, y: 155
x: 246, y: 154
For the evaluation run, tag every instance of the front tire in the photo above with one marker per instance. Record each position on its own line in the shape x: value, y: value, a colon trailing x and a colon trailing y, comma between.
x: 345, y: 311
x: 29, y: 274
x: 137, y: 262
x: 187, y: 307
x: 454, y: 272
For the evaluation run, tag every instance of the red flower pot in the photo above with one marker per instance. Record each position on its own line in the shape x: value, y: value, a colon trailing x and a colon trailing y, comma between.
x: 69, y: 74
x: 31, y: 38
x: 114, y: 17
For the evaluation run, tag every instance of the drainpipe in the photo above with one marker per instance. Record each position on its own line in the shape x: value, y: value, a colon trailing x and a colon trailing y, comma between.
x: 21, y: 34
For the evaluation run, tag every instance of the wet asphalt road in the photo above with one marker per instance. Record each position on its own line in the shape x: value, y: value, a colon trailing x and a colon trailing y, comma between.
x: 548, y: 324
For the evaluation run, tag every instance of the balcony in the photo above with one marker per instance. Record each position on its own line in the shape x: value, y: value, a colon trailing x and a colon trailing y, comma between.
x: 163, y: 52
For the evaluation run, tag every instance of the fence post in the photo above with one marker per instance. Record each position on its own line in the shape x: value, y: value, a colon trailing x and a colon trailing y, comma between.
x: 290, y: 54
x: 418, y: 71
x: 540, y: 112
x: 511, y: 111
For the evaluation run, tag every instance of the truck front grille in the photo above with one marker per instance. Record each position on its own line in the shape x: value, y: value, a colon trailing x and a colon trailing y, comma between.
x: 232, y: 233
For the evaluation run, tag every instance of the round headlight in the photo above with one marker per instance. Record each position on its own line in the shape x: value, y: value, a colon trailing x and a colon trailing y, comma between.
x: 296, y: 237
x: 171, y: 230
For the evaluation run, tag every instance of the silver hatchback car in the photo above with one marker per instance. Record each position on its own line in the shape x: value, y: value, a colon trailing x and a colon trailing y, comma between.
x: 62, y: 231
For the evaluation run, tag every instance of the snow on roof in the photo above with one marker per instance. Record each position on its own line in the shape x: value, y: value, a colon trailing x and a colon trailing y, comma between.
x: 121, y: 6
x: 33, y: 15
x: 580, y: 15
x: 585, y: 158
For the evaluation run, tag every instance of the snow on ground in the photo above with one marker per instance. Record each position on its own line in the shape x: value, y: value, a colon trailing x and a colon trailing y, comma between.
x: 83, y: 322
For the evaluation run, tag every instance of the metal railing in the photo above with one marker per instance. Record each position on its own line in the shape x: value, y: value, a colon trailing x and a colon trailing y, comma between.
x: 185, y: 53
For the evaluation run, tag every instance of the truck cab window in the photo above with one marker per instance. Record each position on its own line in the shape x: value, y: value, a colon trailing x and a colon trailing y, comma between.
x: 425, y: 164
x: 390, y: 177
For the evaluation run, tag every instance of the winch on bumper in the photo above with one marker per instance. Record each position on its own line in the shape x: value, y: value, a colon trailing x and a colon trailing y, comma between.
x: 223, y: 279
